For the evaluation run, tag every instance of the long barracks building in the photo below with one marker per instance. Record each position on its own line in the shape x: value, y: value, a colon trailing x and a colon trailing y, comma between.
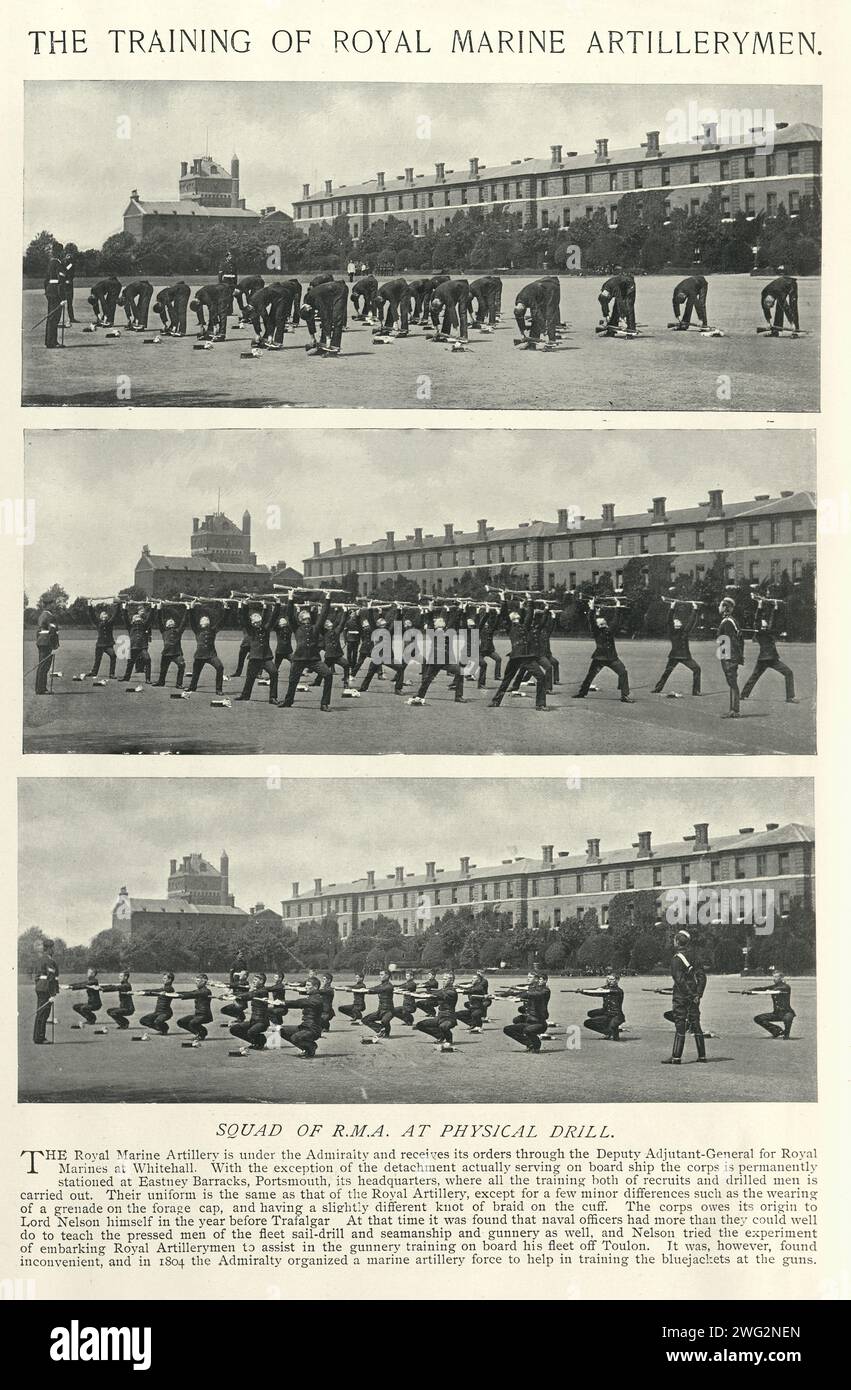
x: 754, y: 172
x: 760, y: 539
x: 564, y: 884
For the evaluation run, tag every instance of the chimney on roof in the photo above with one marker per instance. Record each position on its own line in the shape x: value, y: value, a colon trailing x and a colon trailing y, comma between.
x: 652, y: 146
x: 746, y: 829
x: 184, y: 168
x: 295, y: 887
x: 338, y: 545
x: 787, y: 493
x: 608, y: 513
x: 465, y: 864
x: 716, y: 504
x: 418, y: 535
x: 644, y: 850
x: 482, y: 529
x: 659, y: 508
x: 409, y: 176
x: 317, y: 885
x: 547, y: 853
x: 317, y: 548
x: 593, y: 855
x: 772, y: 825
x: 762, y: 497
x: 555, y: 153
x: 430, y: 871
x: 448, y: 531
x: 370, y: 878
x: 602, y: 150
x: 391, y: 538
x: 563, y: 518
x: 380, y: 177
x: 709, y: 139
x: 327, y: 185
x: 173, y: 869
x: 400, y: 874
x: 305, y: 190
x: 701, y: 835
x: 474, y: 168
x: 440, y: 172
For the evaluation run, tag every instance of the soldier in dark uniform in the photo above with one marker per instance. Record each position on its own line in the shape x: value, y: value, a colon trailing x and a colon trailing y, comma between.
x: 779, y: 1022
x: 682, y: 620
x: 607, y: 1019
x: 450, y: 299
x: 306, y: 1035
x: 69, y: 271
x: 405, y: 1010
x: 125, y: 1008
x: 46, y: 978
x: 617, y: 300
x: 439, y: 1028
x: 54, y: 294
x: 486, y: 621
x: 46, y: 642
x: 328, y: 301
x: 381, y: 1018
x: 689, y: 979
x: 391, y: 303
x: 244, y: 290
x: 139, y: 627
x: 478, y: 998
x: 781, y: 296
x: 425, y: 999
x: 333, y: 649
x: 690, y: 298
x: 171, y: 305
x: 206, y: 628
x: 528, y: 1026
x: 135, y: 299
x: 241, y: 990
x: 103, y: 297
x: 307, y: 630
x: 202, y: 1015
x: 212, y: 300
x: 104, y: 619
x: 769, y: 658
x: 258, y: 625
x: 487, y: 292
x: 89, y: 1011
x: 355, y: 1011
x: 252, y: 1031
x: 521, y: 659
x: 262, y: 311
x: 731, y: 651
x: 542, y: 299
x: 283, y: 640
x: 362, y: 295
x: 604, y: 628
x: 326, y: 990
x: 228, y: 279
x: 443, y: 657
x: 158, y: 1020
x: 172, y: 622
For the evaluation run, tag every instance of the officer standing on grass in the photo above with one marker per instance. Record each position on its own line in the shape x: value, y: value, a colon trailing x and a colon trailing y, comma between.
x: 689, y: 979
x: 46, y: 977
x: 54, y: 294
x: 47, y: 642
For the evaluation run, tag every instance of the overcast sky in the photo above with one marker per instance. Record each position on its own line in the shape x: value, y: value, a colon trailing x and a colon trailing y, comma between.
x: 79, y: 173
x: 94, y: 511
x: 132, y: 827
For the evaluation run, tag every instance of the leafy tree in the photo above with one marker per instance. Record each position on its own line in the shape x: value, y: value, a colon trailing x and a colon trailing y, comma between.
x: 55, y: 599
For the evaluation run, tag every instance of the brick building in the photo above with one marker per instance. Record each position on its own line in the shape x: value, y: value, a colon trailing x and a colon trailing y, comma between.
x: 221, y: 559
x: 761, y: 539
x: 562, y: 884
x: 753, y: 172
x: 197, y: 894
x: 208, y: 196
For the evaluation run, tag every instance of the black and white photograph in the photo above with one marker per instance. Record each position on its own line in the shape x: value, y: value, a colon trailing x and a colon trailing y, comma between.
x: 335, y: 244
x: 566, y: 940
x: 249, y: 591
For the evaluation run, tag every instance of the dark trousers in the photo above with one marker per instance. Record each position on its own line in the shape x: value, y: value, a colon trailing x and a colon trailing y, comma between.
x: 440, y: 1029
x: 51, y: 322
x: 69, y: 301
x: 165, y: 662
x: 197, y: 667
x: 234, y: 1010
x: 334, y: 661
x: 255, y: 666
x: 623, y: 308
x: 191, y: 1023
x: 374, y: 669
x: 140, y: 661
x: 453, y: 317
x: 137, y: 310
x: 776, y: 1024
x: 101, y: 652
x: 731, y: 676
x: 533, y: 668
x: 379, y: 1021
x: 120, y: 1014
x: 673, y: 663
x: 484, y: 658
x: 526, y: 1032
x: 305, y: 1039
x: 252, y: 1033
x: 85, y: 1012
x: 548, y: 666
x: 429, y: 672
x: 41, y: 1018
x: 774, y: 664
x: 473, y: 1015
x: 399, y: 310
x: 597, y: 664
x: 598, y: 1021
x: 158, y: 1023
x: 297, y: 670
x: 241, y: 659
x: 42, y: 671
x: 353, y: 1011
x: 685, y: 1014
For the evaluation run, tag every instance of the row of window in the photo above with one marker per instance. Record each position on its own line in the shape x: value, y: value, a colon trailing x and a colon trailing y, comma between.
x: 755, y: 571
x: 765, y: 864
x: 608, y: 180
